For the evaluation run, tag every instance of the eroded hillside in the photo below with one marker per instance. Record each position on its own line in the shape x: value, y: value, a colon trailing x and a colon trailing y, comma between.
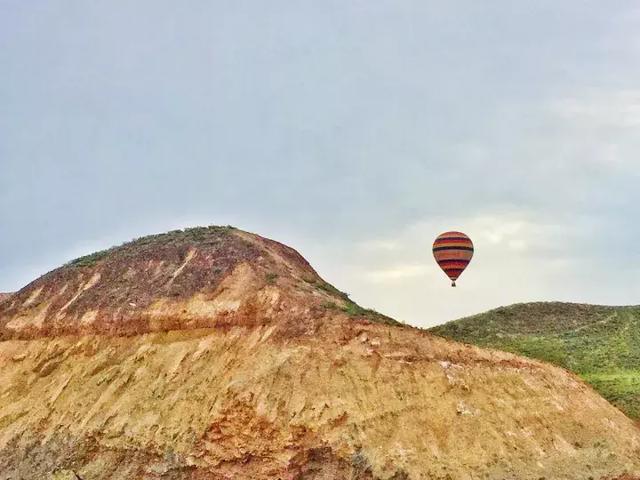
x: 217, y: 354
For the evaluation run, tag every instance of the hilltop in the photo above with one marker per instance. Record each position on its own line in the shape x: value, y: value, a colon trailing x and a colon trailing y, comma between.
x: 185, y: 279
x: 599, y: 343
x: 214, y: 353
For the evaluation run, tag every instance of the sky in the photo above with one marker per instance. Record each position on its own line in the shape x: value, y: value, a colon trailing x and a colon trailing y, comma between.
x: 355, y: 132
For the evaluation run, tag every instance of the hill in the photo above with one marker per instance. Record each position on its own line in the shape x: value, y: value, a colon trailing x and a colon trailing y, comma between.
x: 599, y: 343
x: 196, y: 278
x: 214, y: 353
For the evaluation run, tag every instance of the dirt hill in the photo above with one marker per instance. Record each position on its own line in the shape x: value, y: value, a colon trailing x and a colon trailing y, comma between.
x: 217, y: 354
x: 601, y: 344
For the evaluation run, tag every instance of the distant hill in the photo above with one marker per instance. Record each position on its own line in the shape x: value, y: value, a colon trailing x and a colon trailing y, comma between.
x: 599, y: 343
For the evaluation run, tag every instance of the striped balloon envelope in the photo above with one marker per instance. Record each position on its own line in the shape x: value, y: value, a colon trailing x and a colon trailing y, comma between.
x: 453, y: 252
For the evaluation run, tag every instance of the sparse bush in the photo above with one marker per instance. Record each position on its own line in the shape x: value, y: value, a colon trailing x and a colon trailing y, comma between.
x: 91, y: 259
x: 271, y: 278
x: 330, y: 305
x: 400, y: 475
x: 360, y: 462
x: 196, y: 234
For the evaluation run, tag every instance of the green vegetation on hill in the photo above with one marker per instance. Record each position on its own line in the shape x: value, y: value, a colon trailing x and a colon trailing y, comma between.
x: 350, y: 307
x: 601, y: 344
x: 194, y: 234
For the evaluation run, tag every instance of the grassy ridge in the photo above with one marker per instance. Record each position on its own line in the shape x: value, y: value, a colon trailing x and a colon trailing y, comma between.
x: 601, y: 344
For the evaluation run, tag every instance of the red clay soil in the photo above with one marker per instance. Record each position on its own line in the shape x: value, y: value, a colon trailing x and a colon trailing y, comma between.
x: 122, y: 283
x: 119, y: 287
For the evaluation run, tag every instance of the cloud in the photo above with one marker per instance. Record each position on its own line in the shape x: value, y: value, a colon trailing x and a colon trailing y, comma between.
x: 378, y: 246
x: 396, y: 273
x: 597, y: 109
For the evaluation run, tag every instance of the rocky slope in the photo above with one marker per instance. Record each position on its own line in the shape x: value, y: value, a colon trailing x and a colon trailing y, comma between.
x: 218, y: 354
x: 599, y: 343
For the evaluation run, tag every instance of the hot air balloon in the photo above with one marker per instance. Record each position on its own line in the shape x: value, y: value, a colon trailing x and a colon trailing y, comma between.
x: 453, y: 252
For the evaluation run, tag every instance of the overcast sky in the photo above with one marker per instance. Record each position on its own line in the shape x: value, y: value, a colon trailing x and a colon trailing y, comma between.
x: 353, y: 131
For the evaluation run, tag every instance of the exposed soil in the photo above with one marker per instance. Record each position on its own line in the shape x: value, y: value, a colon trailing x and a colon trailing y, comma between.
x: 217, y: 354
